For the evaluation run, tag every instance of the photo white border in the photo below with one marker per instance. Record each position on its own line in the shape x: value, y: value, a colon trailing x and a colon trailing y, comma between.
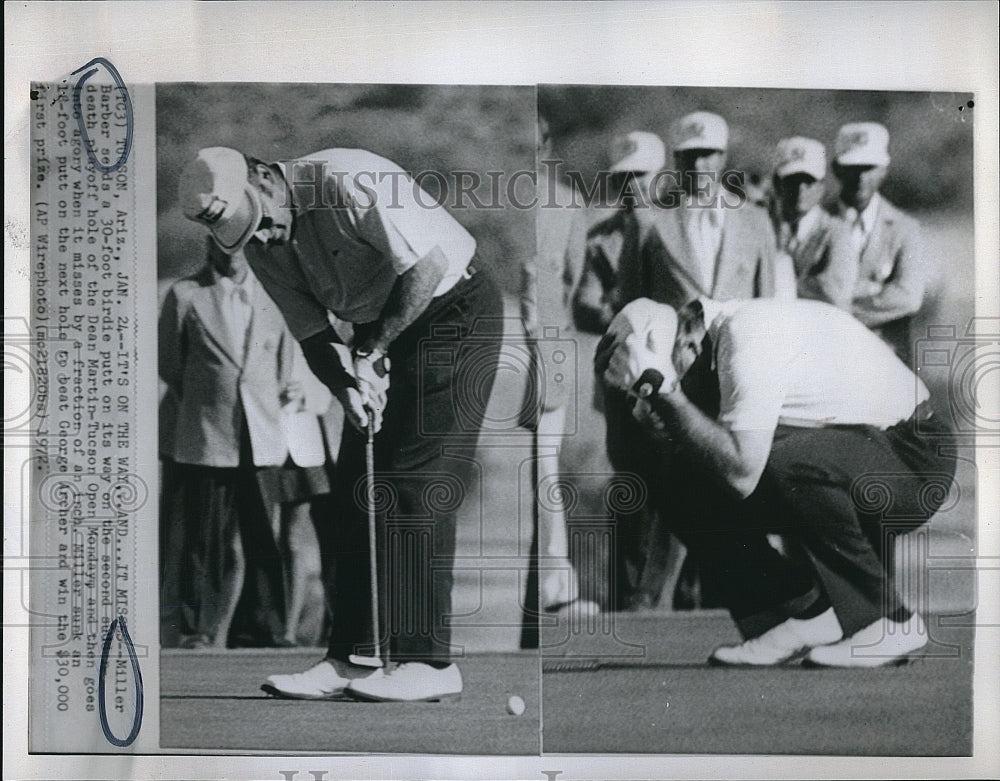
x: 920, y: 46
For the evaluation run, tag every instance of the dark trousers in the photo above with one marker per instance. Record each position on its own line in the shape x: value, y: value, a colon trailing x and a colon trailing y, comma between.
x: 639, y: 557
x: 442, y: 371
x: 214, y: 503
x: 842, y: 494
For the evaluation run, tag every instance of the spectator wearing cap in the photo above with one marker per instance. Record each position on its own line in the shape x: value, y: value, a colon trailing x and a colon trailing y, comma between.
x: 610, y: 271
x: 712, y: 242
x: 347, y: 233
x: 816, y: 242
x: 549, y: 279
x: 885, y: 242
x: 815, y: 412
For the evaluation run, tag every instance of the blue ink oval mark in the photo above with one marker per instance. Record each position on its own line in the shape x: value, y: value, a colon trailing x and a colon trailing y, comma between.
x: 78, y: 113
x: 102, y: 704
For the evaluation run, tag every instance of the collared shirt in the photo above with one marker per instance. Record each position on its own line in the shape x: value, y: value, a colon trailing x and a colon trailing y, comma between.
x: 806, y: 363
x: 705, y: 225
x: 862, y: 223
x: 345, y: 254
x: 238, y: 304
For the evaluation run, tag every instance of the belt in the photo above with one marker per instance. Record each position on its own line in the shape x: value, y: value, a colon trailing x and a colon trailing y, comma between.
x: 921, y: 414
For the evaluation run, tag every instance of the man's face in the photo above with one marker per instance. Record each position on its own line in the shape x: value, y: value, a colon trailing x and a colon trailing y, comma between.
x: 700, y: 169
x: 275, y: 226
x: 858, y: 183
x: 688, y: 343
x: 797, y: 194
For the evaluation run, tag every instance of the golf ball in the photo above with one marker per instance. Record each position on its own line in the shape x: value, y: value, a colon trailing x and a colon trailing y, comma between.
x: 515, y: 705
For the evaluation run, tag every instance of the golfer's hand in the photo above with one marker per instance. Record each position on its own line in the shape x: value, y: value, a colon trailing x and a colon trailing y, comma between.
x: 632, y: 357
x: 373, y: 385
x: 354, y: 408
x: 642, y: 316
x: 644, y: 413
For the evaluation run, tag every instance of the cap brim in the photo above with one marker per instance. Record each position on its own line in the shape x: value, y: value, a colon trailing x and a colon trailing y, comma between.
x: 234, y: 229
x: 636, y: 165
x: 795, y: 168
x: 862, y: 159
x: 699, y: 145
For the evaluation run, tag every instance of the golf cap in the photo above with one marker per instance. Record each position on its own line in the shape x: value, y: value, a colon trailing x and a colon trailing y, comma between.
x: 214, y: 191
x: 862, y: 143
x: 701, y: 130
x: 798, y: 155
x: 638, y: 151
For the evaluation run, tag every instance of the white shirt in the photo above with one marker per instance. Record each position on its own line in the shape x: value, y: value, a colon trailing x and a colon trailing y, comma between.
x: 238, y: 307
x: 806, y: 363
x: 346, y: 254
x: 862, y: 223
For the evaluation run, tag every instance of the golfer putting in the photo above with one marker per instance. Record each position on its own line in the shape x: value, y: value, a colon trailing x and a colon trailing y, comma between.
x: 810, y: 407
x: 348, y: 233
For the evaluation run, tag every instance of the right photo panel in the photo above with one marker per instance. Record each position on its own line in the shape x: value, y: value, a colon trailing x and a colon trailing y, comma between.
x: 756, y: 480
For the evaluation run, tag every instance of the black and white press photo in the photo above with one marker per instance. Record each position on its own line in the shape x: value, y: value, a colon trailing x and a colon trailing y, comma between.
x: 501, y: 390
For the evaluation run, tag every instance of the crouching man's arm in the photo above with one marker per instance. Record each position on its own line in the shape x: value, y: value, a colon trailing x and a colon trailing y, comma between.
x: 737, y: 457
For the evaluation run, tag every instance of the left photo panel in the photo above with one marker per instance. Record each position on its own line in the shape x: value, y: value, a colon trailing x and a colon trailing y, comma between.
x: 344, y: 542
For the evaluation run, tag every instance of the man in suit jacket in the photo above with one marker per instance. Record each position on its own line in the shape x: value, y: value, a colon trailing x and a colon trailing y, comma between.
x: 817, y: 243
x: 885, y: 242
x: 226, y: 358
x: 708, y: 241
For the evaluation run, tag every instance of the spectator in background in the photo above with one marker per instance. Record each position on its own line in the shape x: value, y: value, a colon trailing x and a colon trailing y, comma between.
x: 884, y: 241
x: 613, y: 243
x: 226, y: 359
x: 548, y: 282
x: 710, y: 241
x: 816, y: 242
x: 611, y: 278
x: 298, y: 494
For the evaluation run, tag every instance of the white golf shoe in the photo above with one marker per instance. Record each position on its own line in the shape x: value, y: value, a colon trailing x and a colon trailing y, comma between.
x: 323, y: 681
x: 783, y: 643
x: 880, y: 644
x: 410, y: 682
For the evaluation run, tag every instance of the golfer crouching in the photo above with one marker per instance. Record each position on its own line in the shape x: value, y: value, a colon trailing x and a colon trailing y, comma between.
x: 356, y: 239
x: 812, y: 416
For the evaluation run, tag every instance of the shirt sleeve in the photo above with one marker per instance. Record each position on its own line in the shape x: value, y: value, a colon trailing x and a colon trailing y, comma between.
x: 750, y: 364
x: 392, y: 214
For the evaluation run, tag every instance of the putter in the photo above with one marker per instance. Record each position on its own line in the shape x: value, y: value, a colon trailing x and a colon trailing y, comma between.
x: 372, y: 553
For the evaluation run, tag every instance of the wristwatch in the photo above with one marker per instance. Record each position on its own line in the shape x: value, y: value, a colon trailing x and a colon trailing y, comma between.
x: 378, y: 359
